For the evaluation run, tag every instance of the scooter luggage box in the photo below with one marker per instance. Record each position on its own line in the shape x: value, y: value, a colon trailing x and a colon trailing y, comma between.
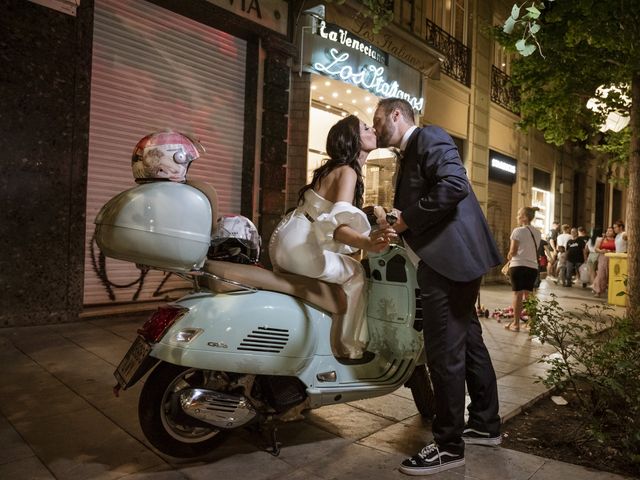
x: 165, y: 225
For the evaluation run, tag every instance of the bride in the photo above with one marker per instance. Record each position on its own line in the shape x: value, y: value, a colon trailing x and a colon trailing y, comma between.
x: 316, y: 239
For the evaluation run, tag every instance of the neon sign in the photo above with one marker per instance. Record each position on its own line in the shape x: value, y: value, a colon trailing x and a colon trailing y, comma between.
x: 368, y: 77
x: 343, y: 37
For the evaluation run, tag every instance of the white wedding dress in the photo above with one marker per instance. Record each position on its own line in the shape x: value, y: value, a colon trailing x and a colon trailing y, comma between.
x: 303, y: 243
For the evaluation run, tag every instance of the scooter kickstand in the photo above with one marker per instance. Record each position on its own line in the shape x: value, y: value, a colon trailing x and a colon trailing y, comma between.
x: 274, y: 449
x: 268, y: 435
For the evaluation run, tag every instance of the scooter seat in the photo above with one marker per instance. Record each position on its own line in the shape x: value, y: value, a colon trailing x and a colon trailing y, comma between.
x: 327, y: 296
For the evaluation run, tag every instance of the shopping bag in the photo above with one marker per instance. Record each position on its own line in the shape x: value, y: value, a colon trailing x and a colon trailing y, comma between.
x: 583, y: 272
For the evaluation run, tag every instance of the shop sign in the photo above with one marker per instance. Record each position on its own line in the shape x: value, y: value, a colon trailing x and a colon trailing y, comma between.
x: 271, y: 14
x: 502, y: 168
x: 335, y: 52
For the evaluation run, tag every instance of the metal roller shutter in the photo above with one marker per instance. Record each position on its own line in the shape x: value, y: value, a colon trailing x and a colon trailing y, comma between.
x: 153, y: 69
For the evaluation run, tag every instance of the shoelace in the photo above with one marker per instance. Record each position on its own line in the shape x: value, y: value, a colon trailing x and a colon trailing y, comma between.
x: 428, y: 450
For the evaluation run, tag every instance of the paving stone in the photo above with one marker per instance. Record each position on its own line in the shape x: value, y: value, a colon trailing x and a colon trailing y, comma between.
x: 346, y: 421
x: 402, y: 438
x: 303, y: 442
x: 25, y: 469
x: 13, y: 446
x: 358, y: 462
x: 553, y: 470
x: 392, y: 407
x: 85, y: 444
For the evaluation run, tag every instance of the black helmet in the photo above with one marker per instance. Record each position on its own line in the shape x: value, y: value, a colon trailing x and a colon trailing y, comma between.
x: 235, y: 240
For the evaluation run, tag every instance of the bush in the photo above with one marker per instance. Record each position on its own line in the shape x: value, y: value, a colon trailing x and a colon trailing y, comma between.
x: 598, y: 358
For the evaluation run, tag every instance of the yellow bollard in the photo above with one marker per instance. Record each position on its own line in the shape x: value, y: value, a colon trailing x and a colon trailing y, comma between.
x: 617, y: 274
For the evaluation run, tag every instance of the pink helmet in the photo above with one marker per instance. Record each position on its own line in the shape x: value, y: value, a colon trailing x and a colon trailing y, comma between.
x: 164, y: 155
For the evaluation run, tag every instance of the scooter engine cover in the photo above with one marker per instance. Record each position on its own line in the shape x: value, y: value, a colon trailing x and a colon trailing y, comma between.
x: 218, y: 409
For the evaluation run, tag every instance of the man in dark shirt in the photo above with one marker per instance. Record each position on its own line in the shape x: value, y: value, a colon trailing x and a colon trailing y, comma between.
x: 575, y: 255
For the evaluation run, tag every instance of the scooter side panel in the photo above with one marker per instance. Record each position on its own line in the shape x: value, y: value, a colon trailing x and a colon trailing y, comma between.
x: 262, y: 333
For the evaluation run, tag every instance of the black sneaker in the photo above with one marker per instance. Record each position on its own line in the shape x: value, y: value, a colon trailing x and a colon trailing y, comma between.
x: 476, y: 437
x: 431, y: 460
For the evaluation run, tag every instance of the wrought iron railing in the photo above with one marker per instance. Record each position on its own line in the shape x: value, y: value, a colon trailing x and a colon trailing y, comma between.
x: 502, y: 92
x: 457, y: 63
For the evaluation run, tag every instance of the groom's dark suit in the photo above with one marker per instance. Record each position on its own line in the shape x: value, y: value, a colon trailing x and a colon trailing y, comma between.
x: 449, y: 233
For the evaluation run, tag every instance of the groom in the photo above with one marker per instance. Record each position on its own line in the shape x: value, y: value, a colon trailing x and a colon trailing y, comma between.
x: 441, y: 221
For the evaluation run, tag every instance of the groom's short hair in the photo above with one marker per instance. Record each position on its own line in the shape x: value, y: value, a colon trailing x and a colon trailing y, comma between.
x: 390, y: 104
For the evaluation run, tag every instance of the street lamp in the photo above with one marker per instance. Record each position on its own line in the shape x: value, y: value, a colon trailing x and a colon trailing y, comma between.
x: 316, y: 13
x: 615, y: 121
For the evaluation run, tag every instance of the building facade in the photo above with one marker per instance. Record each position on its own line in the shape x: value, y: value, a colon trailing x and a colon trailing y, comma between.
x: 258, y: 82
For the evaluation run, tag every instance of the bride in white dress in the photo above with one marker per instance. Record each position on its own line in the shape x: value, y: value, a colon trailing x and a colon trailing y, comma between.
x: 316, y: 238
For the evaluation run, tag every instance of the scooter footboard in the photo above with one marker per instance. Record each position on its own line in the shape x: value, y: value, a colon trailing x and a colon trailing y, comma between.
x: 260, y: 333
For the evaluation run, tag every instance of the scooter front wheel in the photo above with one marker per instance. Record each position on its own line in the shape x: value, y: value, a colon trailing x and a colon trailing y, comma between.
x: 162, y: 420
x: 422, y: 391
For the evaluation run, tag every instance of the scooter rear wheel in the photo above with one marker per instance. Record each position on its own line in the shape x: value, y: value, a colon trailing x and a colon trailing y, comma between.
x: 422, y: 391
x: 164, y: 424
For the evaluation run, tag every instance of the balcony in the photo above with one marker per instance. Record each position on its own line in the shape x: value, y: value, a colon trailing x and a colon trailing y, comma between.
x: 457, y: 63
x: 502, y: 92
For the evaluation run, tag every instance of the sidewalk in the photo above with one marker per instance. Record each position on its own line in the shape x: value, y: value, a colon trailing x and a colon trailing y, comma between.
x: 60, y: 420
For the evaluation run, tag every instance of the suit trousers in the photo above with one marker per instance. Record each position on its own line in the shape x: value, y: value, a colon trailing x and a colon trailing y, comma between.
x: 456, y: 353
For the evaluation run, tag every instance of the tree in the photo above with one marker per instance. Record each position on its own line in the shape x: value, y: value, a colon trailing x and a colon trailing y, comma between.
x: 582, y: 45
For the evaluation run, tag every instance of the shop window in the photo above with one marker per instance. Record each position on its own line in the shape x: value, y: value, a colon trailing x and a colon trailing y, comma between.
x: 406, y: 15
x: 450, y: 16
x: 542, y: 198
x: 616, y: 205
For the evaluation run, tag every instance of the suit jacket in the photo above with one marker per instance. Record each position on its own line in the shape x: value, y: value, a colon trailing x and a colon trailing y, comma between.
x: 447, y: 228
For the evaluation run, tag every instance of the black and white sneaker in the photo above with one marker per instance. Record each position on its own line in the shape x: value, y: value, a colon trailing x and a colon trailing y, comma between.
x: 476, y: 437
x: 431, y: 460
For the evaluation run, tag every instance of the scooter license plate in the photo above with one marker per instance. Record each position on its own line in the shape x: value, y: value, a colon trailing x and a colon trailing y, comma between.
x: 132, y: 361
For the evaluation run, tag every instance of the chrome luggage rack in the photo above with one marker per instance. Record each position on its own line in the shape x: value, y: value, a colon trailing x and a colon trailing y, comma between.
x: 193, y: 275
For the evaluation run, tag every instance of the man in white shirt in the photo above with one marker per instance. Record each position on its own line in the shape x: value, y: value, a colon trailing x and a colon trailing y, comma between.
x: 565, y: 236
x: 621, y: 237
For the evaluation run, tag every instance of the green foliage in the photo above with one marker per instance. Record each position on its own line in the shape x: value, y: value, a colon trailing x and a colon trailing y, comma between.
x: 586, y: 43
x: 614, y: 147
x: 598, y: 357
x: 380, y: 11
x: 529, y: 25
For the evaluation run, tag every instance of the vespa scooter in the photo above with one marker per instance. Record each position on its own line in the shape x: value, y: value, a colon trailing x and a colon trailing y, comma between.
x: 250, y: 346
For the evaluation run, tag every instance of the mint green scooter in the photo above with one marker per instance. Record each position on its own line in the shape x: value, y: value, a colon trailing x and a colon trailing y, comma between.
x: 249, y: 347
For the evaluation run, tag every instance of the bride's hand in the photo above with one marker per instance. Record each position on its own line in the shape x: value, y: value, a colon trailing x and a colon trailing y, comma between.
x: 379, y: 239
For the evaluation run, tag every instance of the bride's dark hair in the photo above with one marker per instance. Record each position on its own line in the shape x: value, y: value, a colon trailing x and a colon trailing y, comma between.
x: 343, y: 148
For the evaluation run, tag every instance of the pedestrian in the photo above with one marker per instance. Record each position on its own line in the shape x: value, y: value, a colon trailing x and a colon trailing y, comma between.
x: 592, y: 254
x: 575, y: 256
x: 621, y: 237
x: 553, y: 237
x: 441, y: 221
x: 523, y: 262
x: 564, y: 236
x: 606, y: 245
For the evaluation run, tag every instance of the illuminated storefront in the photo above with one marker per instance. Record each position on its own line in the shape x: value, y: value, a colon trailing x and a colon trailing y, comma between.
x: 348, y: 76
